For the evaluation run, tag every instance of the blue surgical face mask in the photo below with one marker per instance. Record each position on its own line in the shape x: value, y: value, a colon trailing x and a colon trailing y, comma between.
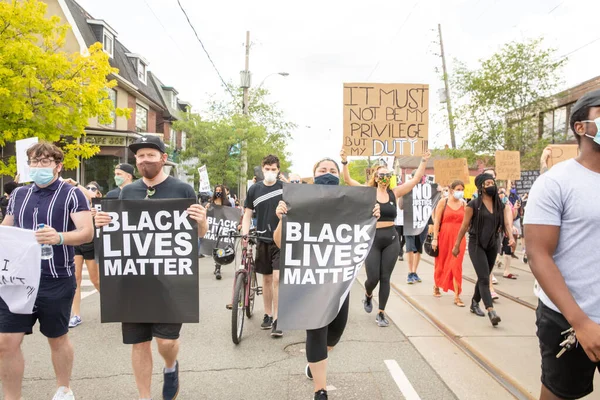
x: 327, y: 179
x: 596, y: 138
x: 504, y: 200
x: 41, y: 176
x: 459, y: 194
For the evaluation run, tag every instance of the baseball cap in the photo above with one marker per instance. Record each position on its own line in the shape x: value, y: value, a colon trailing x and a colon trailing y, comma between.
x: 126, y: 168
x: 590, y: 99
x: 148, y: 142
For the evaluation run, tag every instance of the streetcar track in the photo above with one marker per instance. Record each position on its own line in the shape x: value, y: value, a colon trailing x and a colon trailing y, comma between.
x: 502, y: 379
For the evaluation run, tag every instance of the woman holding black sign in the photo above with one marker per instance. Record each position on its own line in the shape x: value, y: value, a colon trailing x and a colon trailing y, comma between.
x: 386, y: 246
x: 219, y: 198
x: 320, y: 341
x: 485, y: 219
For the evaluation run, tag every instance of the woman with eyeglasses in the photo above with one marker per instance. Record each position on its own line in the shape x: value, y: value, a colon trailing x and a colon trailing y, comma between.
x: 219, y: 198
x: 485, y: 219
x: 382, y: 258
x: 85, y: 253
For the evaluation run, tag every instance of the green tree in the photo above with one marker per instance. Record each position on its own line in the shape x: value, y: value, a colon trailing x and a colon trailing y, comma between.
x: 215, y: 139
x: 500, y: 100
x: 357, y: 169
x: 44, y: 91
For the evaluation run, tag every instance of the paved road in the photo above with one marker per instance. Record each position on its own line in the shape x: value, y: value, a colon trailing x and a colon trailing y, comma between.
x: 212, y: 367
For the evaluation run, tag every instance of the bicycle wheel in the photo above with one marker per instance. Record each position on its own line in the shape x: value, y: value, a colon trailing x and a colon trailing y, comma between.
x: 237, y: 309
x: 252, y: 294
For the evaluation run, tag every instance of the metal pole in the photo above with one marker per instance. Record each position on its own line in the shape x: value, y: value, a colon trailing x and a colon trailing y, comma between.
x: 448, y: 104
x: 244, y: 151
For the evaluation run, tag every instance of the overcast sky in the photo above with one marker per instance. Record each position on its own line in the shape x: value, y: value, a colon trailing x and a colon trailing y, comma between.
x: 324, y: 43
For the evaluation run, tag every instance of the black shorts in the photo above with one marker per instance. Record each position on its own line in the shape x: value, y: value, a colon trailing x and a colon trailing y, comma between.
x: 506, y: 249
x: 52, y: 308
x: 572, y: 375
x: 267, y: 258
x: 414, y: 244
x: 134, y: 333
x: 86, y: 250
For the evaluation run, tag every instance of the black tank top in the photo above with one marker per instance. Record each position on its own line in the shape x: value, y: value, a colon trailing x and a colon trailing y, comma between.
x: 388, y: 210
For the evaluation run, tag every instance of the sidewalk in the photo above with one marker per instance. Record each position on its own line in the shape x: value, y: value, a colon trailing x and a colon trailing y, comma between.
x: 512, y: 347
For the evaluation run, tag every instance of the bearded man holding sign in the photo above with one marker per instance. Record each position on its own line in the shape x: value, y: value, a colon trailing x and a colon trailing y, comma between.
x: 323, y: 248
x: 151, y: 156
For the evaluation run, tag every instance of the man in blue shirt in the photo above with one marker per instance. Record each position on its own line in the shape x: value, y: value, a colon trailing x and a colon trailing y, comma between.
x: 64, y: 211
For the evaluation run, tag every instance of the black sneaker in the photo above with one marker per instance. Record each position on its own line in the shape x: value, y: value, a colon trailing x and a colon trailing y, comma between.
x: 276, y: 332
x: 218, y: 272
x: 321, y: 395
x: 171, y: 383
x: 267, y: 322
x: 307, y: 372
x: 525, y: 258
x: 368, y: 303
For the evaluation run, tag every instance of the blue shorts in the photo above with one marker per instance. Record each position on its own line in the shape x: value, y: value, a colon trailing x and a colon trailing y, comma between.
x: 414, y: 244
x: 52, y: 308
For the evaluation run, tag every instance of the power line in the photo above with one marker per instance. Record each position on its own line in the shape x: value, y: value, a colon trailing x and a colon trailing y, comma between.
x: 204, y: 48
x: 397, y: 33
x: 579, y: 48
x: 559, y: 4
x: 164, y: 28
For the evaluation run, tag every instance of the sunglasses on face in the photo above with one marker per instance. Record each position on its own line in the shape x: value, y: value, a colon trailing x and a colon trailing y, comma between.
x: 295, y: 181
x: 150, y: 192
x: 92, y: 188
x: 382, y: 176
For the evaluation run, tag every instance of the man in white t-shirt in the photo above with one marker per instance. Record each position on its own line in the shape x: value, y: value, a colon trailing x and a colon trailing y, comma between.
x: 561, y: 223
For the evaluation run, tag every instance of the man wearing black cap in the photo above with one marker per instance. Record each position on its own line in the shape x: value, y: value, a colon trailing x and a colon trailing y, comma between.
x: 150, y: 155
x: 123, y: 177
x: 561, y: 227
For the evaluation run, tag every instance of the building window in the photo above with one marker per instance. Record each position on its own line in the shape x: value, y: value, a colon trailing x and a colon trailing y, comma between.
x: 173, y: 139
x: 141, y: 71
x: 555, y: 125
x: 112, y: 95
x: 109, y: 44
x: 173, y: 101
x: 141, y: 119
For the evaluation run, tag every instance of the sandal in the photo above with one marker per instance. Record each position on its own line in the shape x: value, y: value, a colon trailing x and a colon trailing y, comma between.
x: 509, y: 276
x: 436, y: 292
x: 458, y: 302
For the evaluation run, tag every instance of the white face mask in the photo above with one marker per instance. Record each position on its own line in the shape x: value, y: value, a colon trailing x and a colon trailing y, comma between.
x: 270, y: 176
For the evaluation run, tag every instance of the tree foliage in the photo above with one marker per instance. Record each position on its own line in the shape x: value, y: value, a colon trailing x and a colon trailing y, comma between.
x: 215, y: 139
x: 357, y: 169
x: 500, y: 100
x: 44, y: 91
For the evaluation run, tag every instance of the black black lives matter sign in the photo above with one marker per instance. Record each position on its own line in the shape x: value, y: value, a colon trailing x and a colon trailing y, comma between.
x: 524, y: 184
x: 326, y: 237
x: 149, y: 262
x: 222, y: 221
x: 418, y: 206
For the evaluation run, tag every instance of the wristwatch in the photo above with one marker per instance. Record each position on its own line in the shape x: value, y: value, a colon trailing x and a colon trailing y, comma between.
x: 344, y: 162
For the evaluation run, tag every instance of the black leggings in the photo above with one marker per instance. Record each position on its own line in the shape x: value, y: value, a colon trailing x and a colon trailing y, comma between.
x: 400, y: 232
x: 483, y: 261
x: 317, y: 340
x: 381, y: 262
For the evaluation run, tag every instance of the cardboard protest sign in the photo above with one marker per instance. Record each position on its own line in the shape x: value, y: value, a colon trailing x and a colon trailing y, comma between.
x: 204, y: 182
x: 149, y: 262
x: 508, y: 165
x: 221, y: 221
x: 418, y: 207
x: 524, y: 184
x: 20, y: 269
x: 562, y: 152
x: 323, y: 248
x: 386, y: 119
x: 21, y: 147
x: 447, y: 171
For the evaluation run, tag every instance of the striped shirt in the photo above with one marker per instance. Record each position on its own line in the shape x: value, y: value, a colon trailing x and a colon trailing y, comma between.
x: 264, y: 200
x: 52, y: 206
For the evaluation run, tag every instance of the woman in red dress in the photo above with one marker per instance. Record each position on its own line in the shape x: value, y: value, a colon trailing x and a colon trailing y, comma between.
x: 449, y: 215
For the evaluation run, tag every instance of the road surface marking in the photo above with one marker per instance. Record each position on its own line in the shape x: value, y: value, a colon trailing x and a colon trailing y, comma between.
x: 86, y: 294
x: 408, y: 391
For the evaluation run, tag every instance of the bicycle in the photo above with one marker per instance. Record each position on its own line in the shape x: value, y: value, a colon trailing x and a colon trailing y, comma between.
x: 245, y: 285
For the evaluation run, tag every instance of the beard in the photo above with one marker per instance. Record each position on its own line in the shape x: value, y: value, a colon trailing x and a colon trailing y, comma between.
x: 150, y: 170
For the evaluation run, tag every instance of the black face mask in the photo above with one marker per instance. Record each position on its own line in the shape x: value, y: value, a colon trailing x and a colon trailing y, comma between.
x: 218, y: 195
x: 491, y: 191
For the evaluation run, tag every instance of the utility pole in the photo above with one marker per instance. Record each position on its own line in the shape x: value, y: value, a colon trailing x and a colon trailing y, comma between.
x: 245, y: 84
x: 448, y: 103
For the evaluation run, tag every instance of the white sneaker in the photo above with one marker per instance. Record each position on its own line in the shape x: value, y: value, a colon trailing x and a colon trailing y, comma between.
x: 494, y: 280
x: 64, y: 393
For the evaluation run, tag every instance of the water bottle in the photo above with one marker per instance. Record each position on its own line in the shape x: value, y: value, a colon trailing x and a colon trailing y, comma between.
x: 47, y: 252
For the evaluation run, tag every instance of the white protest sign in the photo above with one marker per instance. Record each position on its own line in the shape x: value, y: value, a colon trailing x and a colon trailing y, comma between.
x: 204, y: 183
x: 20, y: 269
x: 21, y: 152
